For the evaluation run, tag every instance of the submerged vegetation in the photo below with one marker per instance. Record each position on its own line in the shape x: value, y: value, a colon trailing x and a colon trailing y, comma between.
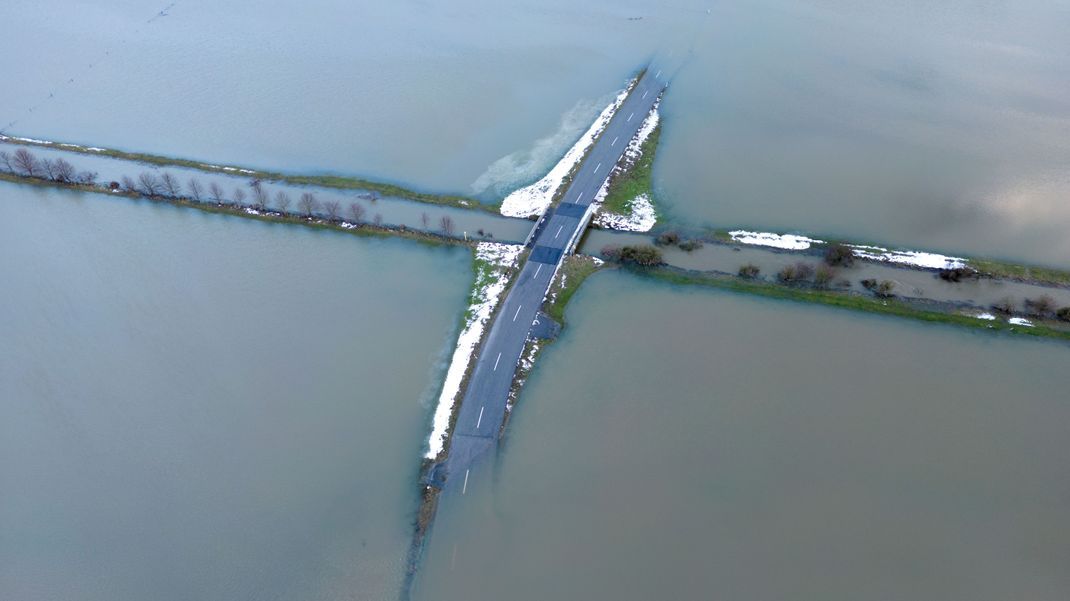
x: 23, y: 167
x: 929, y: 312
x: 327, y: 181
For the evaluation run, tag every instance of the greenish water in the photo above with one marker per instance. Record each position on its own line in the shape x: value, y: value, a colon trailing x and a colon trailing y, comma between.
x: 682, y: 444
x: 930, y: 125
x: 201, y: 407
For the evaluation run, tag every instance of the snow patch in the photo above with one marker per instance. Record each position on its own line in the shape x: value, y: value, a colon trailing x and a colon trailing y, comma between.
x: 533, y: 200
x: 641, y: 217
x: 907, y: 257
x: 985, y: 316
x: 501, y: 258
x: 785, y: 241
x: 1020, y: 321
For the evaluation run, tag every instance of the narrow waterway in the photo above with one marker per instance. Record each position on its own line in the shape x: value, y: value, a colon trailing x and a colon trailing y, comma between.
x: 196, y: 406
x: 689, y: 444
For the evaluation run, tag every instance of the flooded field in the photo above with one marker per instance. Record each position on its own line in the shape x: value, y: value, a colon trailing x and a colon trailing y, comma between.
x: 201, y: 407
x: 929, y: 126
x: 694, y: 444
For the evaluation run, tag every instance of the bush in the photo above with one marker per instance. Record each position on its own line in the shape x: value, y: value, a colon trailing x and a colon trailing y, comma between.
x: 1004, y: 306
x: 690, y: 245
x: 823, y: 276
x: 799, y: 272
x: 1063, y: 314
x: 839, y: 255
x: 1042, y: 306
x: 667, y: 238
x: 750, y: 271
x: 643, y: 255
x: 957, y: 274
x: 882, y: 288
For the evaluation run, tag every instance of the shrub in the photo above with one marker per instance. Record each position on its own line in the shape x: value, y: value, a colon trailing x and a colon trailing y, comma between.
x: 667, y: 238
x: 839, y: 255
x: 823, y: 276
x: 1042, y: 306
x: 869, y: 283
x: 1063, y: 314
x: 957, y: 274
x: 799, y: 272
x: 642, y: 255
x: 884, y: 288
x: 690, y: 245
x: 1004, y: 306
x: 750, y: 270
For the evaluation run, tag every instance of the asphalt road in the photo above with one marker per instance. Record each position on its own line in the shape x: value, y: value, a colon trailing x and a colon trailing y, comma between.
x: 482, y: 409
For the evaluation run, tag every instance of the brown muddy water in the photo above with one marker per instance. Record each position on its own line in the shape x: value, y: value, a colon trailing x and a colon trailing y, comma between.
x: 689, y: 444
x: 196, y: 406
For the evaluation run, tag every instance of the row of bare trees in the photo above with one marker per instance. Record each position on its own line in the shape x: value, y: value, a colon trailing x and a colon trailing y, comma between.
x: 166, y: 185
x: 23, y: 162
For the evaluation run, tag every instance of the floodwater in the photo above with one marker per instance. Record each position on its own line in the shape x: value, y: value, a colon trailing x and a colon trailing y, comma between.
x: 942, y: 126
x: 386, y: 210
x: 202, y: 407
x: 691, y: 444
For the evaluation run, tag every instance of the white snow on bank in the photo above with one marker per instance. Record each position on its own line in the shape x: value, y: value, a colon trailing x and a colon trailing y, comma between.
x: 502, y: 257
x: 532, y: 200
x: 985, y: 316
x: 641, y: 216
x: 27, y: 140
x: 1020, y: 321
x: 912, y: 258
x: 785, y: 241
x: 907, y: 257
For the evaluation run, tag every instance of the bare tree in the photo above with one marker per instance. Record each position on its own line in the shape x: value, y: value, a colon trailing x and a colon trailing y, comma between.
x: 239, y: 197
x: 25, y: 163
x: 48, y: 169
x: 88, y: 178
x: 148, y: 184
x: 356, y: 211
x: 425, y: 220
x: 282, y: 201
x: 216, y: 192
x: 331, y: 207
x: 308, y: 204
x: 63, y: 171
x: 195, y: 190
x: 446, y: 225
x: 5, y: 160
x: 169, y: 184
x: 129, y: 184
x: 378, y: 220
x: 260, y: 197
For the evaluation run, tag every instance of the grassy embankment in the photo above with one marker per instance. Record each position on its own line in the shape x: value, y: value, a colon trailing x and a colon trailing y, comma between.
x: 326, y: 181
x: 574, y: 270
x: 848, y: 300
x: 1023, y: 273
x: 364, y: 229
x: 634, y: 180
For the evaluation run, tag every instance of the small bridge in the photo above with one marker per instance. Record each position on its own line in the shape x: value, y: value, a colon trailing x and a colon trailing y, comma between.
x: 482, y: 411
